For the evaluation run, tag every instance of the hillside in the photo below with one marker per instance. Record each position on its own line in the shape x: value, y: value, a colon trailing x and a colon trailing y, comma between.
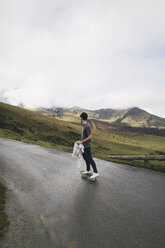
x: 32, y: 127
x: 27, y: 125
x: 129, y: 120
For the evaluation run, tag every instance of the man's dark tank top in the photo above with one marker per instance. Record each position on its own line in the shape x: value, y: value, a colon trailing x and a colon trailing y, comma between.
x: 86, y: 130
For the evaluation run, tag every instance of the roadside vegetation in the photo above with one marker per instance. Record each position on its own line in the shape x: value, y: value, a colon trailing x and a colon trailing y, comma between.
x: 4, y: 223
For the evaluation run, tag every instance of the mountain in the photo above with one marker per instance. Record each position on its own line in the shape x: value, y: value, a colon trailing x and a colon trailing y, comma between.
x: 128, y: 120
x: 132, y: 117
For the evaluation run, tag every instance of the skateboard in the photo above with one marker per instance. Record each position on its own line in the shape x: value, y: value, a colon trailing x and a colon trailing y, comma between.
x: 88, y: 176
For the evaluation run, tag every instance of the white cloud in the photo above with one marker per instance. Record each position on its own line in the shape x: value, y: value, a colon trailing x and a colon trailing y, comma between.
x: 89, y: 53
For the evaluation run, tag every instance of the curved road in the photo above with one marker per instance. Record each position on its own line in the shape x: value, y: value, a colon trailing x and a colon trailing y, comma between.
x: 50, y: 205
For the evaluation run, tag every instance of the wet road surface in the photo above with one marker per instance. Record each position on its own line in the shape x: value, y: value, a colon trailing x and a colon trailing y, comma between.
x: 50, y: 205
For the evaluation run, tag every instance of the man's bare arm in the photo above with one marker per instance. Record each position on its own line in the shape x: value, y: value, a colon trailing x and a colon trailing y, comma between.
x: 89, y: 137
x: 82, y: 141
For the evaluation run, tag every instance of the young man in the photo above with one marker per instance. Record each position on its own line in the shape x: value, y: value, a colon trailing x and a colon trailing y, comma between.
x: 86, y: 141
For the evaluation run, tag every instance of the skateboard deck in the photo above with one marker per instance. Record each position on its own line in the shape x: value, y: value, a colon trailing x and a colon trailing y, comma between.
x: 88, y: 176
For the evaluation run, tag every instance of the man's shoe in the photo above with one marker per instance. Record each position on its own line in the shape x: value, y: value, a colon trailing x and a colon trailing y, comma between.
x: 86, y: 172
x: 95, y: 175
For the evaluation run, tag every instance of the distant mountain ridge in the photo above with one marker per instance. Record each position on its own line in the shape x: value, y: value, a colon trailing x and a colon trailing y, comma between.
x: 133, y: 117
x: 28, y: 123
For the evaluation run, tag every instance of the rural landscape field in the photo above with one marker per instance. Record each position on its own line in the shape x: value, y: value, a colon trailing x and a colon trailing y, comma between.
x: 60, y: 130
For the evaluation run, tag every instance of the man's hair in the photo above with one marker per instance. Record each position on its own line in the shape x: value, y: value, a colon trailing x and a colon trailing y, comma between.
x: 84, y: 116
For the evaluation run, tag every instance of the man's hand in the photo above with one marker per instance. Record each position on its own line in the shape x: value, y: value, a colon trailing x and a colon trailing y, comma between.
x: 82, y: 141
x: 78, y: 142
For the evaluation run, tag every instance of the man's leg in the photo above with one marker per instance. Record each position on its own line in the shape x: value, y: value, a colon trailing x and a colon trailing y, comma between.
x: 89, y: 160
x: 94, y: 165
x: 86, y: 160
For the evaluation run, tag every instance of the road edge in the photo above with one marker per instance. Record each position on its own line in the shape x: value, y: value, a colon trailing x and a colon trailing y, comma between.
x: 4, y: 222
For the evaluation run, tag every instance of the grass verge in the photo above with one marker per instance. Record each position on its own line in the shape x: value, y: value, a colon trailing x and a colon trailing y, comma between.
x: 4, y: 223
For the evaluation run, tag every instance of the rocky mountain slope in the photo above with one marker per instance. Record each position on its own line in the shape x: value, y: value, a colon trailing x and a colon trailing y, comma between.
x: 132, y: 117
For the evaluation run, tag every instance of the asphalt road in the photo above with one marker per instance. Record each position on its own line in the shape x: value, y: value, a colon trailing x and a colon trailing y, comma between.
x: 50, y: 205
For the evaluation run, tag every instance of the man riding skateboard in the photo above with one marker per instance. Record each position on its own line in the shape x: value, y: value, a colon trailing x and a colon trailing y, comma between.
x: 86, y: 136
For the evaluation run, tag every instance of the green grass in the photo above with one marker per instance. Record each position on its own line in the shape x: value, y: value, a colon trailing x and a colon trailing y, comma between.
x: 107, y: 143
x: 4, y: 223
x: 28, y: 126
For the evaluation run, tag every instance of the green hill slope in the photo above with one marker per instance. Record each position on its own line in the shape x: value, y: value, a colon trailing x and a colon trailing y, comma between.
x: 26, y: 125
x: 29, y: 126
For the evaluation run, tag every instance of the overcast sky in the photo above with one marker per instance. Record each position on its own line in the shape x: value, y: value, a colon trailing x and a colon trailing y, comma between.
x: 88, y: 53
